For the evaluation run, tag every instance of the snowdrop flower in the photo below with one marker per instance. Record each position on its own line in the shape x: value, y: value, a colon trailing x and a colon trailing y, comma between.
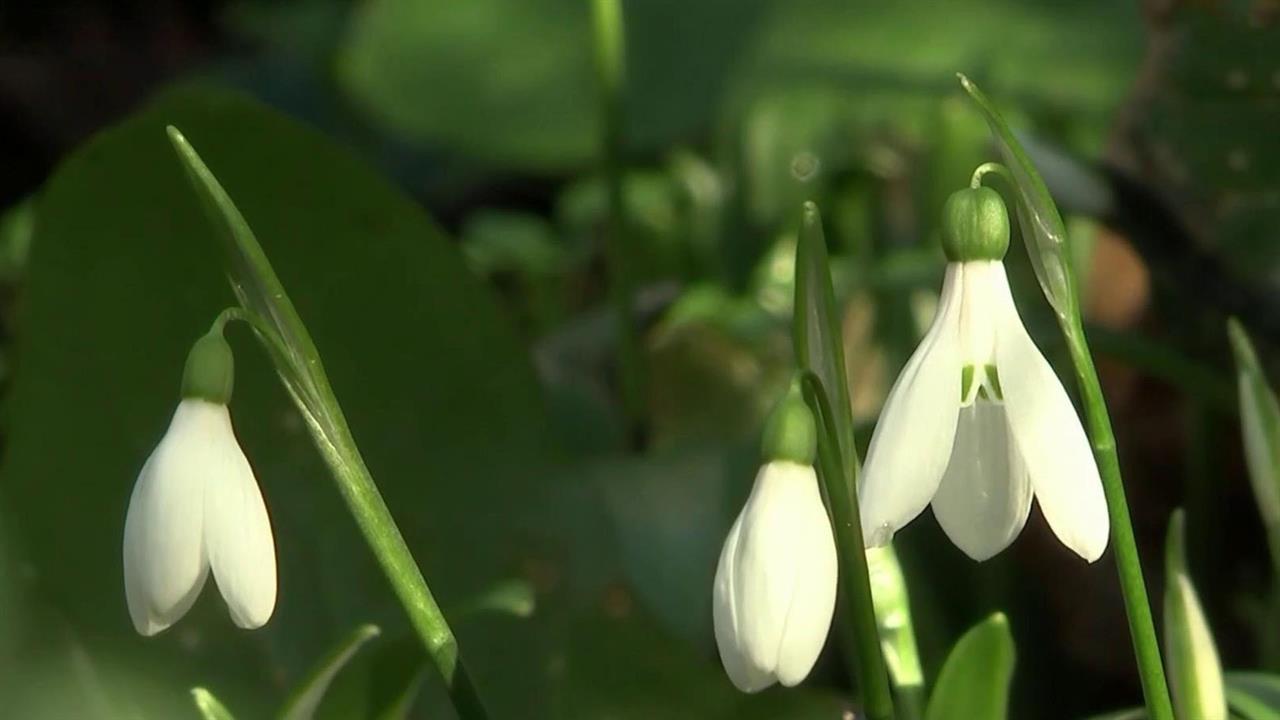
x: 978, y: 423
x: 196, y: 507
x: 775, y: 586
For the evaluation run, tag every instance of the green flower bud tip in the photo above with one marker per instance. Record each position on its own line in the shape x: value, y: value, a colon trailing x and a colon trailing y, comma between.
x: 210, y: 370
x: 790, y: 432
x: 975, y: 225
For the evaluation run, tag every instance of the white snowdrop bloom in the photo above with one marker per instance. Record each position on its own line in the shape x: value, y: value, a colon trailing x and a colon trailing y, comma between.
x: 775, y: 585
x: 977, y: 423
x: 196, y: 507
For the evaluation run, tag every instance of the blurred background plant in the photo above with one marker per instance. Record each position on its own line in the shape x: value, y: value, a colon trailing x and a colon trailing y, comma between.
x: 427, y: 179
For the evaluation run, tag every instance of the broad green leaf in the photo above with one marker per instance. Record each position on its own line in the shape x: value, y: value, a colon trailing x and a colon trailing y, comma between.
x: 1254, y: 695
x: 975, y: 680
x: 1260, y: 426
x: 307, y: 696
x: 1040, y: 224
x: 1195, y: 673
x: 818, y: 331
x: 210, y: 707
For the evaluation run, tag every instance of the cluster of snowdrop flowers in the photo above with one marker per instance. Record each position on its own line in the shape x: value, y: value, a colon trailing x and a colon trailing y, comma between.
x: 977, y: 423
x: 775, y: 586
x: 196, y: 507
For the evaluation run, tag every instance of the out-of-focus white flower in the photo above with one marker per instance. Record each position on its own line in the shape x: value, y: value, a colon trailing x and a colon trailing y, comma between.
x: 977, y: 423
x: 195, y: 507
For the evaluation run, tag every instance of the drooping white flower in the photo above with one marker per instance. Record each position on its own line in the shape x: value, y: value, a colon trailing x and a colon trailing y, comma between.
x: 977, y: 423
x: 775, y: 587
x: 196, y: 507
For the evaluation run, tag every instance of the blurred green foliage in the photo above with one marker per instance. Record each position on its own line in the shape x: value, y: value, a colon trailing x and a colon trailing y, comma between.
x: 474, y: 371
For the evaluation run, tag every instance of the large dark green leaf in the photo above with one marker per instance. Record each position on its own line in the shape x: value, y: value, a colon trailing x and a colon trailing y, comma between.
x: 126, y: 272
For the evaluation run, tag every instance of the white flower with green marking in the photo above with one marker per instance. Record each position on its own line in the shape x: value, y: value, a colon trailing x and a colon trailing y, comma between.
x: 196, y: 507
x: 977, y: 423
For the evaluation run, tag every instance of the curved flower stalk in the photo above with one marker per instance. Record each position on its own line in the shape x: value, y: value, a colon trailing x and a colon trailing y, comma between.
x: 978, y: 424
x: 775, y: 586
x: 196, y: 507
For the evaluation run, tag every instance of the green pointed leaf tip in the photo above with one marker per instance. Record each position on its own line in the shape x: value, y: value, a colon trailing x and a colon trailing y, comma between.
x: 255, y: 282
x: 1195, y: 673
x: 975, y: 679
x: 1259, y: 425
x: 818, y: 331
x: 209, y: 706
x: 306, y: 698
x: 1040, y: 223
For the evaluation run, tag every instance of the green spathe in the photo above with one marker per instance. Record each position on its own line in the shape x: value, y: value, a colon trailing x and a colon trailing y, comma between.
x: 790, y: 432
x: 210, y: 371
x: 975, y: 225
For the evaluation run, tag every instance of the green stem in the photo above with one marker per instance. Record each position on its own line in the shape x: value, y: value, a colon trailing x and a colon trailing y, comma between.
x: 610, y: 61
x: 340, y: 452
x: 861, y: 629
x: 1128, y: 564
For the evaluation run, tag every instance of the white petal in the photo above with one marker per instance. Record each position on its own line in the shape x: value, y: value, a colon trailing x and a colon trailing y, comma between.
x: 164, y: 559
x: 813, y: 599
x: 776, y: 584
x: 985, y: 494
x: 238, y: 535
x: 745, y: 676
x: 912, y: 440
x: 1048, y: 434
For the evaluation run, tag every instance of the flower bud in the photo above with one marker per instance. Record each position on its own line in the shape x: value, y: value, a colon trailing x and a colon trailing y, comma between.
x: 210, y: 370
x: 775, y: 586
x: 975, y: 225
x: 790, y: 432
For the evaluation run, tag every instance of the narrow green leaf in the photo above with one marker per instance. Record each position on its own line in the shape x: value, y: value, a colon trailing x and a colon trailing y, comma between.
x: 305, y: 698
x: 1195, y: 673
x: 1038, y: 219
x: 818, y: 338
x: 210, y: 707
x: 1260, y: 425
x: 256, y: 285
x: 975, y: 680
x: 1254, y: 695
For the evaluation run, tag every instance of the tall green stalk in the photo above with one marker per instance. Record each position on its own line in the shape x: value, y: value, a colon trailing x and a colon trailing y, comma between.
x: 855, y: 583
x: 1046, y: 240
x: 1128, y: 564
x: 819, y: 348
x: 610, y: 62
